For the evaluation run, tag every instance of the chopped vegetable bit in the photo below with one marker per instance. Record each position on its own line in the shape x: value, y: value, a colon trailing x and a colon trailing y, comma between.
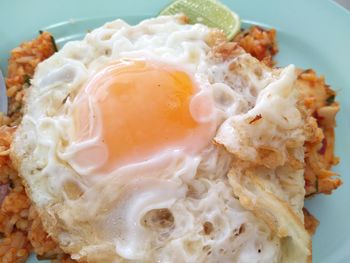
x: 330, y: 99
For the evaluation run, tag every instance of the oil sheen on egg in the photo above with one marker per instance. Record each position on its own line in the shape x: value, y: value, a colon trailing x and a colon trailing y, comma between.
x: 117, y: 146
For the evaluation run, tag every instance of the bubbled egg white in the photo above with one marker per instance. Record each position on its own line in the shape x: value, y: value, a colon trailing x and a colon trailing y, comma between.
x: 169, y: 203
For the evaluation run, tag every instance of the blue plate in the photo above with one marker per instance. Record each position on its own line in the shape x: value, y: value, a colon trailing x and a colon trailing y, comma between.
x: 312, y: 34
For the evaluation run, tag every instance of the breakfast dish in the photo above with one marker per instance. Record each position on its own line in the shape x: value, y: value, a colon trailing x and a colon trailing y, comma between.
x: 162, y: 142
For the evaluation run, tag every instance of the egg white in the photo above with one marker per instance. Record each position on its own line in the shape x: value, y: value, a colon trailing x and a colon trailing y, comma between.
x: 102, y: 218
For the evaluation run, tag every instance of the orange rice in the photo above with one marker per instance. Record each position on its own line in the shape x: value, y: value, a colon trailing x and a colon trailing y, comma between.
x: 260, y: 43
x: 21, y: 231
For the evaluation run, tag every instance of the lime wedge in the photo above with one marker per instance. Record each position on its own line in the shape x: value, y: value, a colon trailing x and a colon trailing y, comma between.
x: 208, y: 12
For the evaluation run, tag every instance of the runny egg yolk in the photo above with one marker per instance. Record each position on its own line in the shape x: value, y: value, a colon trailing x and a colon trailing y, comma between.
x: 133, y: 110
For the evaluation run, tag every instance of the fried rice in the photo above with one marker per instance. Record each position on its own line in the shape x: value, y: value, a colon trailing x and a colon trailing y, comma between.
x: 21, y: 230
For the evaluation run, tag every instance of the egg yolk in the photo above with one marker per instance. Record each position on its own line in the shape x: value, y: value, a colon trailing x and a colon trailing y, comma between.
x: 137, y: 109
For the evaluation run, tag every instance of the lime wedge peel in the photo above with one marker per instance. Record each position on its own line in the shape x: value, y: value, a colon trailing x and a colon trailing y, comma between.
x: 208, y: 12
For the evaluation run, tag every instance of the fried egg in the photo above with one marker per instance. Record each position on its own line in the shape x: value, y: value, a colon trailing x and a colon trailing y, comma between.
x: 161, y: 142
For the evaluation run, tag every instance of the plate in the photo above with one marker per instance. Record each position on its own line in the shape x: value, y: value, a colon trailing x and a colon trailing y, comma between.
x: 311, y: 34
